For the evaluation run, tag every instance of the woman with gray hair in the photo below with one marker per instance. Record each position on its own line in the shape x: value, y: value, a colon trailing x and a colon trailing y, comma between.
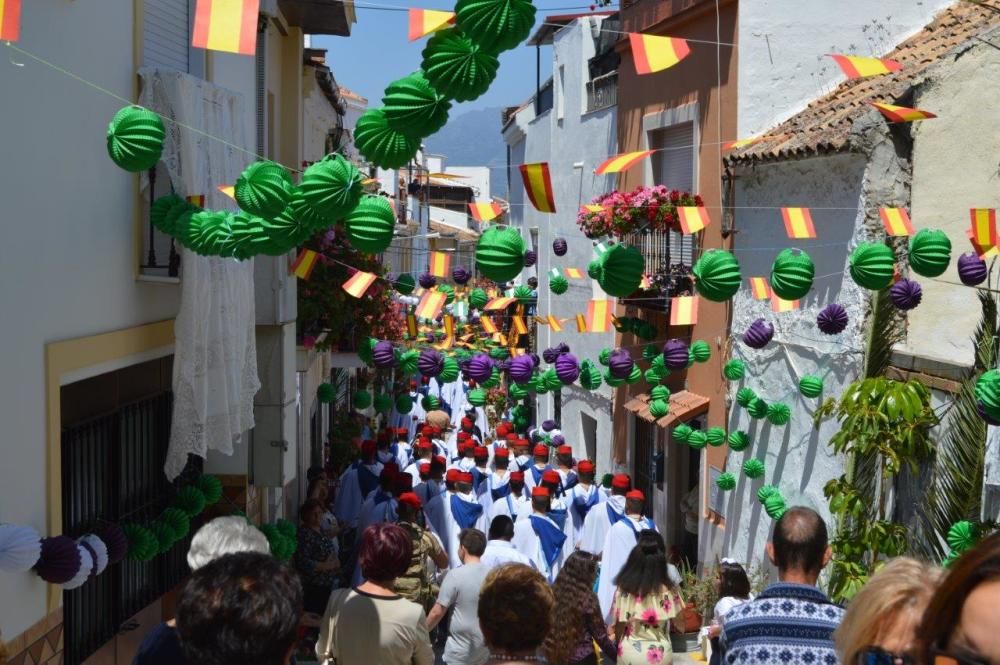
x: 221, y: 536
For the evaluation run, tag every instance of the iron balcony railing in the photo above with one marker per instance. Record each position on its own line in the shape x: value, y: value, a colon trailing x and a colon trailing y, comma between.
x: 602, y: 92
x: 668, y: 256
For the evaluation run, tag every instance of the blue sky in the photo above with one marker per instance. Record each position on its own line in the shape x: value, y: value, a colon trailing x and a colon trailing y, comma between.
x: 377, y: 53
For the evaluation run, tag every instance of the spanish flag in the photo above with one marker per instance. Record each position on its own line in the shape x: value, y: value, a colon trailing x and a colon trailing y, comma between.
x: 902, y: 113
x: 359, y: 283
x: 653, y: 53
x: 226, y: 25
x: 430, y: 305
x: 684, y: 311
x: 539, y: 186
x: 485, y: 212
x: 488, y: 325
x: 798, y: 222
x: 449, y: 325
x: 760, y: 288
x: 10, y: 20
x: 855, y: 66
x: 581, y: 323
x: 196, y: 199
x: 411, y: 325
x: 599, y: 315
x: 519, y: 325
x: 440, y: 264
x: 983, y: 231
x: 574, y: 273
x: 304, y: 264
x: 896, y: 221
x: 554, y: 323
x: 620, y: 163
x: 228, y: 190
x: 425, y: 21
x: 593, y: 207
x: 741, y: 143
x: 779, y: 305
x: 499, y: 304
x: 692, y: 219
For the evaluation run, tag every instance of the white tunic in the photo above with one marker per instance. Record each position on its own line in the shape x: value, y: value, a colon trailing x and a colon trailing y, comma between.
x: 527, y: 542
x: 510, y: 506
x: 618, y: 545
x: 447, y: 527
x: 499, y: 552
x: 348, y: 504
x: 595, y: 527
x: 584, y: 494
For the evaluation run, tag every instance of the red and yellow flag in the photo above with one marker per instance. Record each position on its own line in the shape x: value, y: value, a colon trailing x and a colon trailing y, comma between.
x: 228, y: 190
x: 779, y: 305
x: 983, y: 231
x: 581, y: 323
x: 538, y: 184
x: 593, y: 207
x: 742, y: 143
x: 411, y: 325
x: 574, y: 273
x: 520, y: 325
x: 430, y: 305
x: 499, y: 304
x: 902, y: 113
x: 599, y: 315
x: 798, y: 222
x: 684, y: 311
x: 425, y: 21
x: 440, y: 264
x: 10, y: 20
x: 226, y: 25
x: 619, y: 163
x: 196, y: 199
x: 856, y: 66
x: 896, y: 221
x: 304, y: 263
x: 488, y: 325
x: 485, y: 212
x: 359, y: 283
x: 554, y: 323
x: 760, y: 288
x: 692, y: 219
x: 653, y: 53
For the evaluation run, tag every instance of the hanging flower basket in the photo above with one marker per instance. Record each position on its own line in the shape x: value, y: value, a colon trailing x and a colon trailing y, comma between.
x: 644, y: 207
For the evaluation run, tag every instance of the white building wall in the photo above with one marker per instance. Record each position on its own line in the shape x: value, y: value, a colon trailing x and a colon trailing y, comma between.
x: 477, y: 177
x: 318, y: 117
x: 783, y: 61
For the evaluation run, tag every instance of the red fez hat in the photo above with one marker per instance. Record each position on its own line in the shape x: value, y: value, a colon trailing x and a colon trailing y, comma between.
x: 425, y: 380
x: 502, y: 429
x: 538, y: 490
x: 501, y: 452
x: 464, y: 477
x: 621, y: 481
x: 635, y: 494
x: 466, y: 423
x: 510, y: 436
x: 402, y: 431
x: 541, y: 450
x: 425, y: 467
x: 368, y: 447
x: 564, y: 450
x: 402, y: 483
x: 391, y: 465
x: 517, y: 475
x: 440, y: 459
x: 551, y: 476
x: 413, y: 384
x: 585, y: 466
x: 463, y: 436
x: 388, y: 473
x: 452, y: 475
x: 424, y: 444
x: 481, y: 451
x: 521, y: 443
x: 410, y: 499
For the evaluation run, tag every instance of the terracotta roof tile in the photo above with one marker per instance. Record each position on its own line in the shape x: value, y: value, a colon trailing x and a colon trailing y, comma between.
x: 684, y: 405
x: 825, y: 125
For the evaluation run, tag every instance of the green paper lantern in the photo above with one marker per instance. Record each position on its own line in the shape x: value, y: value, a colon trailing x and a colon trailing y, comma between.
x: 717, y: 275
x: 325, y: 393
x: 619, y: 270
x: 611, y: 380
x: 987, y: 392
x: 757, y: 408
x: 331, y: 188
x: 494, y: 379
x: 178, y: 521
x: 739, y: 441
x: 382, y: 145
x: 495, y: 25
x: 211, y: 488
x: 449, y: 293
x: 164, y: 535
x: 405, y: 284
x: 697, y: 439
x: 604, y: 356
x: 811, y: 386
x: 650, y: 351
x: 308, y: 216
x: 658, y: 408
x: 142, y: 544
x: 362, y: 399
x: 767, y: 491
x: 660, y: 392
x: 286, y: 229
x: 775, y: 506
x: 551, y: 379
x: 499, y: 353
x: 734, y: 370
x: 872, y: 265
x: 558, y: 285
x: 523, y: 294
x: 287, y: 528
x: 652, y: 377
x: 449, y: 373
x: 430, y: 403
x: 792, y: 274
x: 700, y: 351
x: 590, y: 376
x: 516, y: 392
x: 412, y: 106
x: 135, y: 139
x: 682, y: 432
x: 645, y: 330
x: 499, y: 253
x: 370, y: 225
x: 478, y: 299
x: 365, y: 349
x: 457, y: 67
x: 382, y: 403
x: 659, y: 365
x: 745, y: 396
x: 962, y: 536
x: 404, y: 404
x: 753, y: 468
x: 477, y: 397
x: 930, y: 252
x: 191, y: 500
x: 635, y: 376
x: 726, y: 481
x: 541, y: 389
x: 778, y: 413
x: 263, y: 189
x: 716, y: 436
x: 164, y: 212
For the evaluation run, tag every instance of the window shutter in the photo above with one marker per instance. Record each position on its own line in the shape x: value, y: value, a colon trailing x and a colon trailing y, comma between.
x: 674, y: 167
x: 260, y: 67
x: 166, y: 34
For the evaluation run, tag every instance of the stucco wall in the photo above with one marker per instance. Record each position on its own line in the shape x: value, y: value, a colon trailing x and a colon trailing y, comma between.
x: 318, y: 117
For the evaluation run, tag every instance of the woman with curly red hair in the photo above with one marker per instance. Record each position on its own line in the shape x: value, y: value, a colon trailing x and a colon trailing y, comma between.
x: 576, y: 618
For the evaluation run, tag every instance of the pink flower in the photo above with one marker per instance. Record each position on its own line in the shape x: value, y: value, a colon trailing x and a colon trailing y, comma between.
x: 649, y: 616
x: 654, y: 655
x: 308, y: 341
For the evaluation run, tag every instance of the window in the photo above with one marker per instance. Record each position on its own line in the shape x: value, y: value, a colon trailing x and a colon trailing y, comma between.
x: 166, y: 37
x: 561, y: 93
x: 644, y: 442
x: 674, y: 167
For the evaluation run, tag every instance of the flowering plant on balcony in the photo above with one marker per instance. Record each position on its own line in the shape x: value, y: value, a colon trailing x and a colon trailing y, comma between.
x: 643, y: 207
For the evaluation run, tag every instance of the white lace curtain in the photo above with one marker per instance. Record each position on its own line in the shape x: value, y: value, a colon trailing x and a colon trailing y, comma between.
x: 215, y: 353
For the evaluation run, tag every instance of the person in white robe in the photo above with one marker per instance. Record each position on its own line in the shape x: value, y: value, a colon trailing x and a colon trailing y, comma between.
x: 583, y: 497
x: 423, y: 451
x: 427, y: 488
x: 618, y: 544
x: 540, y: 464
x: 564, y: 465
x: 598, y: 521
x: 521, y: 454
x: 481, y: 473
x: 513, y: 501
x: 559, y: 511
x: 497, y: 483
x: 499, y: 548
x: 538, y: 537
x: 466, y: 459
x: 458, y: 510
x: 373, y: 509
x: 359, y: 480
x: 402, y: 448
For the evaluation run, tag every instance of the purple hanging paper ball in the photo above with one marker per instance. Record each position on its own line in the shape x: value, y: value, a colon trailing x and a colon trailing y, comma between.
x: 558, y: 440
x: 832, y: 319
x: 431, y: 362
x: 981, y: 410
x: 59, y: 561
x: 428, y: 281
x: 480, y: 368
x: 567, y: 368
x: 906, y: 294
x: 530, y: 258
x: 550, y: 354
x: 620, y: 363
x: 559, y: 246
x: 116, y: 542
x: 504, y: 365
x: 675, y: 354
x: 563, y: 347
x: 383, y: 354
x: 461, y: 274
x: 521, y: 369
x: 548, y: 425
x: 535, y: 359
x: 758, y: 334
x: 971, y: 269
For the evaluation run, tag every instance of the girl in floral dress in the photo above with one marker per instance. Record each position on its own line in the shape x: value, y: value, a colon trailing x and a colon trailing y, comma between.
x: 645, y: 603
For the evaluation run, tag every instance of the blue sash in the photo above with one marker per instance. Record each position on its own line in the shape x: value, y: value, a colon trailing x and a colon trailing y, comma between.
x: 477, y: 478
x: 465, y: 512
x: 558, y: 515
x: 583, y: 505
x: 367, y: 480
x: 500, y: 493
x: 550, y: 538
x: 636, y: 530
x: 381, y: 497
x: 537, y: 473
x: 394, y: 450
x: 614, y: 515
x: 571, y: 481
x: 427, y: 494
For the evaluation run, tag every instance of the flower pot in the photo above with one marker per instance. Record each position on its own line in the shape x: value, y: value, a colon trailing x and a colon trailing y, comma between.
x: 689, y: 618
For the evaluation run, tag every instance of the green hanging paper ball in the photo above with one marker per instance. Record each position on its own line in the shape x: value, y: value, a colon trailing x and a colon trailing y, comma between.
x: 478, y: 298
x: 611, y: 380
x: 552, y: 381
x: 726, y: 481
x: 308, y: 216
x: 496, y: 25
x: 757, y: 408
x: 449, y: 293
x: 753, y: 468
x: 382, y: 145
x: 165, y: 210
x: 405, y: 284
x: 178, y: 522
x: 778, y: 413
x: 370, y: 225
x: 734, y: 370
x: 458, y: 67
x: 619, y: 270
x: 700, y: 351
x: 650, y: 351
x: 697, y: 439
x: 792, y: 274
x: 652, y: 376
x: 499, y: 253
x: 558, y: 285
x: 872, y: 265
x: 404, y: 404
x: 590, y: 376
x: 682, y: 432
x: 767, y: 491
x: 325, y: 393
x: 717, y: 275
x: 744, y: 396
x: 738, y: 441
x: 659, y: 408
x: 635, y: 376
x: 604, y: 356
x: 331, y: 187
x: 449, y: 373
x: 499, y: 353
x: 365, y: 349
x: 645, y: 330
x: 660, y: 392
x: 430, y: 403
x: 382, y: 403
x: 407, y: 362
x: 164, y: 534
x: 191, y: 500
x: 211, y: 488
x: 142, y: 544
x: 811, y: 386
x: 775, y: 506
x: 135, y: 139
x: 516, y: 392
x: 412, y: 106
x: 286, y: 229
x: 962, y: 535
x: 659, y: 365
x: 287, y: 528
x: 541, y: 389
x: 987, y: 392
x: 263, y: 189
x: 716, y: 436
x: 930, y: 252
x: 523, y: 294
x: 362, y: 399
x: 476, y: 397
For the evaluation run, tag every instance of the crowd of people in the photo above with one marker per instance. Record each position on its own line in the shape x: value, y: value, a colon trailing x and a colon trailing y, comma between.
x: 495, y: 550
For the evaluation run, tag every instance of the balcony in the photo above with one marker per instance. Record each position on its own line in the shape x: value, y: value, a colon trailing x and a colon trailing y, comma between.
x: 545, y: 98
x: 668, y: 256
x: 320, y: 17
x: 602, y: 92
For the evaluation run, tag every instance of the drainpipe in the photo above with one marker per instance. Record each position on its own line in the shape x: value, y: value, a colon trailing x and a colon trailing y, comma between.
x: 538, y: 78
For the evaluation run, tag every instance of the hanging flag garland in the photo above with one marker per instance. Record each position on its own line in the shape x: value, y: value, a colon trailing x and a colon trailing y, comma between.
x: 653, y: 53
x: 620, y: 163
x: 10, y: 20
x: 902, y: 113
x: 423, y: 22
x: 798, y: 222
x: 538, y: 186
x: 896, y: 221
x: 855, y: 66
x: 485, y: 212
x: 226, y: 25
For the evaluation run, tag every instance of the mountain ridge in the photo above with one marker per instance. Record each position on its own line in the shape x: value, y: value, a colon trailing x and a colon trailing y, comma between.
x: 490, y: 150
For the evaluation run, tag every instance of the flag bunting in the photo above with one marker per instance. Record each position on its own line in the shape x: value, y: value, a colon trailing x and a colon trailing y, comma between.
x: 485, y: 212
x: 411, y: 325
x: 440, y: 265
x: 574, y: 273
x: 488, y: 325
x: 196, y: 199
x: 779, y: 305
x: 692, y: 218
x: 538, y: 185
x: 855, y: 66
x: 226, y: 25
x: 684, y: 311
x: 983, y: 231
x: 902, y: 113
x: 430, y: 305
x: 10, y: 20
x: 555, y: 323
x: 228, y: 190
x: 653, y: 53
x: 798, y: 222
x: 304, y: 264
x: 896, y: 221
x: 599, y: 315
x: 499, y: 303
x: 760, y: 288
x: 520, y: 325
x: 593, y: 207
x: 358, y: 284
x: 425, y: 21
x: 620, y: 163
x: 581, y: 323
x: 742, y: 143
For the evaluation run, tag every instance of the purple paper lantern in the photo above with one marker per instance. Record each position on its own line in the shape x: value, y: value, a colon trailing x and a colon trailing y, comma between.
x: 620, y: 363
x: 832, y: 319
x: 480, y: 368
x: 461, y: 275
x: 563, y: 347
x: 971, y: 269
x: 981, y: 410
x: 906, y: 294
x: 548, y: 425
x: 521, y: 369
x: 558, y: 440
x: 567, y: 368
x: 430, y: 362
x: 384, y: 355
x: 116, y: 542
x: 675, y: 354
x: 59, y: 561
x: 758, y: 334
x: 536, y: 361
x: 559, y: 246
x: 530, y: 258
x: 550, y: 354
x: 428, y: 281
